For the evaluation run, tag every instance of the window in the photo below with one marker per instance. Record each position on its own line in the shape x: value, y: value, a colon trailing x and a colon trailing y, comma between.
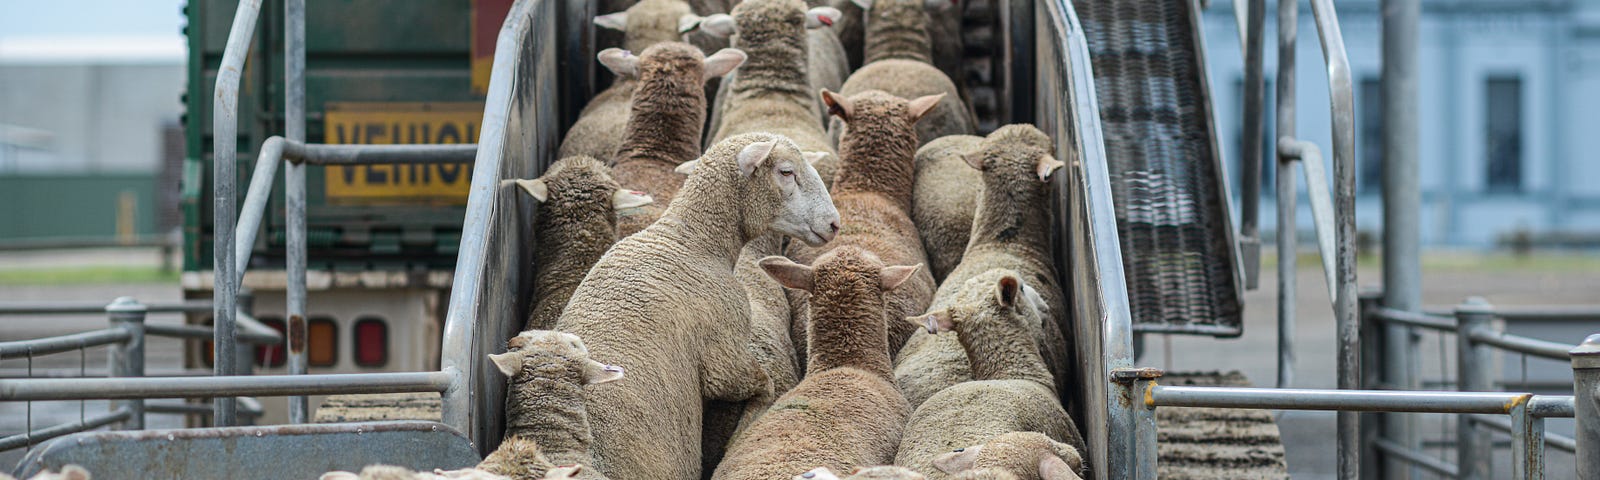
x: 1502, y: 112
x: 322, y: 342
x: 1269, y: 156
x: 372, y: 342
x: 1369, y: 115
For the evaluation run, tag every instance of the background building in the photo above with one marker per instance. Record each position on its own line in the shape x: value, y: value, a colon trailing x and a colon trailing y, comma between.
x: 1508, y: 91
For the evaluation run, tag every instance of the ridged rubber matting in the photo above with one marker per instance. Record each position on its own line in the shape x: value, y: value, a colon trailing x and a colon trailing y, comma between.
x: 1171, y: 215
x: 1217, y: 443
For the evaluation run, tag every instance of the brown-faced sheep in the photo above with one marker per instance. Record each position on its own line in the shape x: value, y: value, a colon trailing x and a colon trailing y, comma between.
x: 846, y: 412
x: 1008, y: 232
x: 944, y: 200
x: 873, y: 192
x: 666, y: 303
x: 998, y: 326
x: 898, y: 49
x: 773, y: 92
x: 546, y: 403
x: 664, y: 123
x: 1025, y: 455
x: 575, y: 224
x: 597, y: 132
x: 771, y: 341
x: 881, y: 472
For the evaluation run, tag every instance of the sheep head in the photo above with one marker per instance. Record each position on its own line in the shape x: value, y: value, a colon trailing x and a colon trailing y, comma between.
x: 803, y: 277
x: 547, y: 354
x: 885, y: 472
x: 650, y: 22
x: 1009, y: 303
x: 1023, y: 454
x: 579, y: 182
x: 1013, y: 152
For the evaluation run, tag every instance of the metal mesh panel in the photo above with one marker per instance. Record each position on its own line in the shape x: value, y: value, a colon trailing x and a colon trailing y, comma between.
x: 1171, y: 206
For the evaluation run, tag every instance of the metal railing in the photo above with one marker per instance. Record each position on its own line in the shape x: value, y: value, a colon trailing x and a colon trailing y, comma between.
x: 126, y: 338
x: 1477, y: 338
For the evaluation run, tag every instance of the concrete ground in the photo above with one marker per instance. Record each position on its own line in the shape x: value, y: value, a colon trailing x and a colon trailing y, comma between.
x: 1308, y: 436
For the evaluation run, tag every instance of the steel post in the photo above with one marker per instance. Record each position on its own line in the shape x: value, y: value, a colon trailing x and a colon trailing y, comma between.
x: 1475, y: 369
x: 1144, y: 428
x: 1251, y: 156
x: 1371, y: 357
x: 1288, y: 29
x: 1586, y: 400
x: 294, y: 186
x: 246, y: 362
x: 127, y: 359
x: 1527, y: 443
x: 225, y: 155
x: 1402, y: 269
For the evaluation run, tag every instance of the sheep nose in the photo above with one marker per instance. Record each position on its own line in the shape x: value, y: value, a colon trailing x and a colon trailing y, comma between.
x: 834, y: 226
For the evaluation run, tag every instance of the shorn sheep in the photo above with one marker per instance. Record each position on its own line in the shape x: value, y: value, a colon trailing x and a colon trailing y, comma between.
x: 873, y: 193
x: 546, y: 403
x: 998, y: 326
x: 1008, y: 232
x: 897, y: 48
x: 576, y: 223
x: 1024, y: 455
x: 772, y: 92
x: 666, y: 119
x: 944, y: 200
x: 597, y: 132
x: 846, y: 412
x: 666, y: 303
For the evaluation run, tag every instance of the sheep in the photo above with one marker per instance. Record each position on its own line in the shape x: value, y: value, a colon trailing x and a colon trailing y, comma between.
x: 69, y: 472
x: 897, y: 53
x: 545, y: 403
x: 1008, y: 232
x: 665, y: 302
x: 873, y: 192
x: 997, y: 325
x: 774, y: 92
x: 771, y: 341
x: 617, y: 31
x: 664, y: 123
x: 575, y: 224
x: 596, y: 133
x: 928, y: 31
x: 846, y: 412
x: 944, y: 200
x: 882, y: 472
x: 1023, y: 455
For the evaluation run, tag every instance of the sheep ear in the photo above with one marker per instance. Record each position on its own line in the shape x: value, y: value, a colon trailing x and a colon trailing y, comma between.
x: 596, y: 373
x: 892, y: 277
x: 822, y: 17
x: 788, y: 273
x: 508, y: 363
x: 724, y: 61
x: 957, y: 461
x: 569, y: 471
x: 687, y: 167
x: 74, y: 472
x: 689, y: 22
x: 1007, y: 290
x: 1047, y: 165
x: 1052, y: 467
x: 864, y: 4
x: 536, y: 187
x: 921, y: 106
x: 624, y: 198
x: 619, y: 61
x: 973, y: 160
x: 753, y: 154
x: 838, y: 106
x: 339, y: 476
x: 613, y: 21
x: 934, y: 322
x: 720, y: 25
x: 814, y: 157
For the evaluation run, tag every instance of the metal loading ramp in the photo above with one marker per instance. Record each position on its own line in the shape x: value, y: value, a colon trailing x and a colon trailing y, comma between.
x: 1166, y: 176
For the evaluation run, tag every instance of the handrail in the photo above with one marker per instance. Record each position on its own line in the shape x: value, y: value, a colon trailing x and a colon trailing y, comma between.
x: 31, y: 437
x: 1443, y: 323
x: 20, y: 308
x: 220, y: 387
x: 1521, y: 344
x: 225, y: 154
x: 62, y: 343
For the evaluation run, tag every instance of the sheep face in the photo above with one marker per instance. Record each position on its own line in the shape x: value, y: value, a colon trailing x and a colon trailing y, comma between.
x: 805, y: 209
x: 546, y: 354
x: 1024, y: 454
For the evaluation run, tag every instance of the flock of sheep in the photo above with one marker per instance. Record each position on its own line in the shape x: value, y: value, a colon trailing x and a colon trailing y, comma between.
x: 792, y: 298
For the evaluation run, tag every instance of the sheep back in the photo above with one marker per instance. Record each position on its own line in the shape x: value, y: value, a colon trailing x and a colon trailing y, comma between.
x: 912, y: 79
x: 945, y: 199
x: 948, y: 421
x: 841, y: 418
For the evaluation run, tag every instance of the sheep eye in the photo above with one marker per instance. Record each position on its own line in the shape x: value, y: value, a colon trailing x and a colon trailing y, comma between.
x: 787, y: 173
x: 959, y: 450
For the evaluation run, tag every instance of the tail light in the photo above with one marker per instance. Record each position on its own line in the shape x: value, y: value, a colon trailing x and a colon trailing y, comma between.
x: 372, y: 342
x: 272, y: 356
x: 322, y: 342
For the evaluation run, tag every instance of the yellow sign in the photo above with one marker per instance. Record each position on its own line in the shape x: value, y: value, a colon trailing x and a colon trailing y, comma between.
x: 400, y: 123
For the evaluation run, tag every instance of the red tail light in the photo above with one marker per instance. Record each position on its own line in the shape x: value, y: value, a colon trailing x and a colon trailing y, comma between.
x: 272, y: 356
x: 372, y: 342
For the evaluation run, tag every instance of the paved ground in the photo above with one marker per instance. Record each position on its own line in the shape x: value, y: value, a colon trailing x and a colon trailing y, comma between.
x: 1308, y: 437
